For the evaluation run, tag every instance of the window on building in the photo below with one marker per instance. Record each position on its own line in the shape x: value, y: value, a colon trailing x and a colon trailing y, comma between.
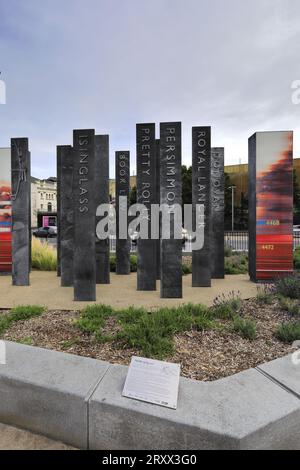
x: 49, y: 207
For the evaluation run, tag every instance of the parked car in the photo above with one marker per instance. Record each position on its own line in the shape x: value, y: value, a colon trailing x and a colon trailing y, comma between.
x: 45, y: 232
x: 296, y: 229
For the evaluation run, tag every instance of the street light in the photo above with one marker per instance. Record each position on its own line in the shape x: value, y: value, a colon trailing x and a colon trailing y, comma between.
x: 232, y: 206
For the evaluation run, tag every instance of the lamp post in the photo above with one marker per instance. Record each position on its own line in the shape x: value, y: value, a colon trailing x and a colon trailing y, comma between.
x: 232, y: 206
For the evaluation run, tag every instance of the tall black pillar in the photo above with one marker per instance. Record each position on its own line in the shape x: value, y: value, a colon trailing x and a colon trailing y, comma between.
x: 201, y: 156
x: 102, y: 197
x: 217, y: 208
x: 157, y: 201
x: 122, y: 190
x: 84, y: 215
x: 20, y: 166
x: 146, y: 195
x: 170, y: 194
x: 66, y: 211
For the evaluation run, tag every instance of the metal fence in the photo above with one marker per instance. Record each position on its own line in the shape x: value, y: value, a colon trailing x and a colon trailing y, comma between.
x: 237, y: 241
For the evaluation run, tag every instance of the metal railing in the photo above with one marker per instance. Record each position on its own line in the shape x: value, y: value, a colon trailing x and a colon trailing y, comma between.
x: 237, y: 241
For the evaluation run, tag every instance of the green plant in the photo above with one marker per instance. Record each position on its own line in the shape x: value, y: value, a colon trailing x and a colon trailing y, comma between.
x: 43, y: 256
x: 297, y: 259
x: 153, y: 333
x: 265, y: 294
x: 92, y: 320
x: 288, y: 332
x: 186, y: 269
x: 236, y: 264
x: 290, y: 305
x: 245, y: 327
x: 28, y: 341
x: 227, y: 251
x: 288, y: 286
x: 150, y: 332
x: 133, y: 263
x: 226, y: 307
x: 20, y: 313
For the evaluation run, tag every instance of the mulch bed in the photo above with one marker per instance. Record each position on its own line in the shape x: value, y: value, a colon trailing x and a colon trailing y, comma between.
x: 205, y: 356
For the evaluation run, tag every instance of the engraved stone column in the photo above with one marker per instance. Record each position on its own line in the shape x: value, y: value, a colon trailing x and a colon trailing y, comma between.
x: 201, y: 156
x: 217, y: 208
x: 170, y: 194
x: 122, y: 190
x: 84, y: 215
x: 146, y: 195
x: 66, y: 210
x: 157, y: 201
x: 102, y: 197
x: 20, y: 165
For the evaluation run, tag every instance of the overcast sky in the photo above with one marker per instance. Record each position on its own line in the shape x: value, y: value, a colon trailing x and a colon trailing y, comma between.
x: 108, y: 64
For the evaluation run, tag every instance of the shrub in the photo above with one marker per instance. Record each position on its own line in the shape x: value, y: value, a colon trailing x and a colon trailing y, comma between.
x: 186, y: 269
x: 227, y: 251
x: 288, y: 332
x: 153, y: 333
x: 236, y: 264
x: 288, y: 286
x: 44, y: 257
x: 226, y: 307
x: 289, y: 305
x: 133, y: 263
x: 245, y: 327
x: 265, y: 294
x: 297, y: 259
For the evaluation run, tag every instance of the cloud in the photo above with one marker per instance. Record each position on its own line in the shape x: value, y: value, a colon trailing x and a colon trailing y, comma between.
x: 107, y: 64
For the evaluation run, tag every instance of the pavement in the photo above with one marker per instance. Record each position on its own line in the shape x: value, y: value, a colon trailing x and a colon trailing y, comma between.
x: 45, y: 290
x: 17, y: 439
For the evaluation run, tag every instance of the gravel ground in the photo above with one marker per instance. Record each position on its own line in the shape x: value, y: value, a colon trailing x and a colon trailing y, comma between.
x: 203, y: 356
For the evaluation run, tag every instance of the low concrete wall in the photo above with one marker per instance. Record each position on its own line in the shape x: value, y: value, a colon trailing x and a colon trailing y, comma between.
x: 79, y: 401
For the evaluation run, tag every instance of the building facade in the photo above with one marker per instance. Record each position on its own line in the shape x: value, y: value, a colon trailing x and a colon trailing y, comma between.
x: 43, y: 199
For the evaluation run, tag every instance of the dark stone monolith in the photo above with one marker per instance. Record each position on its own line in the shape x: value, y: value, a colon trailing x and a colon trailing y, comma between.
x: 201, y: 179
x: 102, y: 197
x: 84, y: 215
x: 170, y: 194
x: 122, y: 191
x: 21, y: 191
x: 157, y: 201
x: 146, y: 195
x: 58, y: 200
x: 217, y: 215
x: 66, y: 210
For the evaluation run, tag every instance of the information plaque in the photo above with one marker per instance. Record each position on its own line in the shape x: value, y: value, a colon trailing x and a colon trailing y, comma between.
x: 153, y: 381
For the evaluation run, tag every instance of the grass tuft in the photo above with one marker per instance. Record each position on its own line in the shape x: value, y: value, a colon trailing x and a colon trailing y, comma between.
x: 20, y: 313
x: 227, y: 307
x: 44, y: 257
x: 245, y: 327
x: 288, y: 332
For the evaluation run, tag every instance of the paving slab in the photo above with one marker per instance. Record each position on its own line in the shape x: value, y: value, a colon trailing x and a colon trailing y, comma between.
x: 285, y: 372
x: 47, y: 392
x: 245, y: 411
x: 45, y: 290
x: 12, y: 438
